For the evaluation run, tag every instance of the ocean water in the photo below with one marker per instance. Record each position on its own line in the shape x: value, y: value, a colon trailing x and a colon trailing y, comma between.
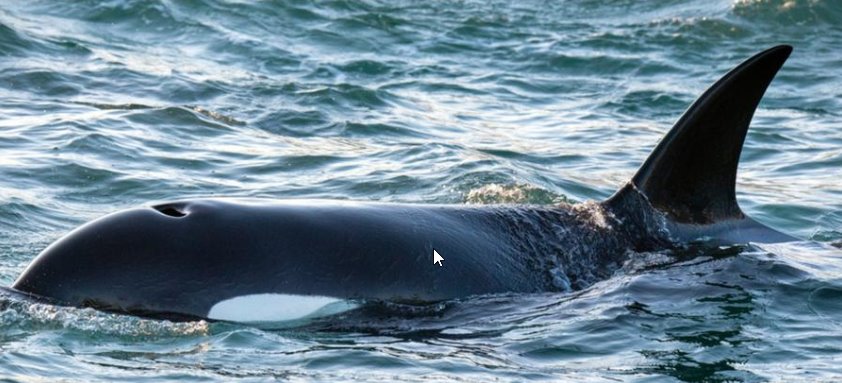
x: 106, y: 105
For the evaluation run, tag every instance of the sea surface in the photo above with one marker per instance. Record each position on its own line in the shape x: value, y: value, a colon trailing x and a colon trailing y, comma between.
x: 106, y: 105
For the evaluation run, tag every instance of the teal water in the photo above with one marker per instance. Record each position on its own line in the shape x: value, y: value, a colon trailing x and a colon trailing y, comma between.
x: 109, y: 105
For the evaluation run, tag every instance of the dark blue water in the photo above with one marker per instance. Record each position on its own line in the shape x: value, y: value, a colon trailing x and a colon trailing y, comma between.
x: 108, y: 105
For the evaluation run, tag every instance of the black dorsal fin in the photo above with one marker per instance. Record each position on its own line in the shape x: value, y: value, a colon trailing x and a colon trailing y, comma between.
x: 691, y: 174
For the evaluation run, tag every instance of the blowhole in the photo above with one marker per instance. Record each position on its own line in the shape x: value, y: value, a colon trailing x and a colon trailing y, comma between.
x: 170, y: 210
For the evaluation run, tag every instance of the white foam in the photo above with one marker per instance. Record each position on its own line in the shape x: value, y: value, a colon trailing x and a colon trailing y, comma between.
x: 276, y: 307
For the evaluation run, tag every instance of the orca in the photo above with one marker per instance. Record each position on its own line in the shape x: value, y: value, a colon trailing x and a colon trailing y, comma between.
x: 265, y: 260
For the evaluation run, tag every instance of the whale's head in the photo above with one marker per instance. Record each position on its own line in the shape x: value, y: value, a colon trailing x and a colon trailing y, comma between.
x: 123, y: 261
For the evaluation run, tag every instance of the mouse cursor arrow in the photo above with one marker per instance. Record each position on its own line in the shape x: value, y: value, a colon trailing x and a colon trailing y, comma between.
x: 436, y: 257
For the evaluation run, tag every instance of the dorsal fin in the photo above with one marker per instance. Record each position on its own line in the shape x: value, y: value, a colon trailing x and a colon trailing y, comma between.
x: 691, y: 174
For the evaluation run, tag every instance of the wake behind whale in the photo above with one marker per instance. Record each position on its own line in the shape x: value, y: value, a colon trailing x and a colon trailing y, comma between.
x: 252, y: 260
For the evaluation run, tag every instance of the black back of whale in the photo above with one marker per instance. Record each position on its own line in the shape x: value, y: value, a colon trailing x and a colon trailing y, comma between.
x: 179, y: 259
x: 211, y: 250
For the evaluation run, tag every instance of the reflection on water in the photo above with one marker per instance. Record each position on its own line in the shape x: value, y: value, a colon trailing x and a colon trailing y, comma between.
x: 111, y: 105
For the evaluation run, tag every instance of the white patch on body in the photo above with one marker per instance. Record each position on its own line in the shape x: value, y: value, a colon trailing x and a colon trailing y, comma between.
x: 277, y: 307
x: 595, y: 213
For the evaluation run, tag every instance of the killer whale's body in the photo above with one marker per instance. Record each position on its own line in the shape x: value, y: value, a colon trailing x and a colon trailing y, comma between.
x: 221, y: 249
x: 190, y: 259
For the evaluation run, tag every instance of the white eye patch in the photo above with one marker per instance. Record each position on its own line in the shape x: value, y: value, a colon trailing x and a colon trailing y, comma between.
x: 277, y: 307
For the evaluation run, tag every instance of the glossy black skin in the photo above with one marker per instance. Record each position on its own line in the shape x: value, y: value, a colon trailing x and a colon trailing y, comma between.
x: 691, y: 175
x: 177, y: 260
x: 153, y: 262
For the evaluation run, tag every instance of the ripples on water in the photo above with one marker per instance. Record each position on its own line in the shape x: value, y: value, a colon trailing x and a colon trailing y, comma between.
x: 106, y: 106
